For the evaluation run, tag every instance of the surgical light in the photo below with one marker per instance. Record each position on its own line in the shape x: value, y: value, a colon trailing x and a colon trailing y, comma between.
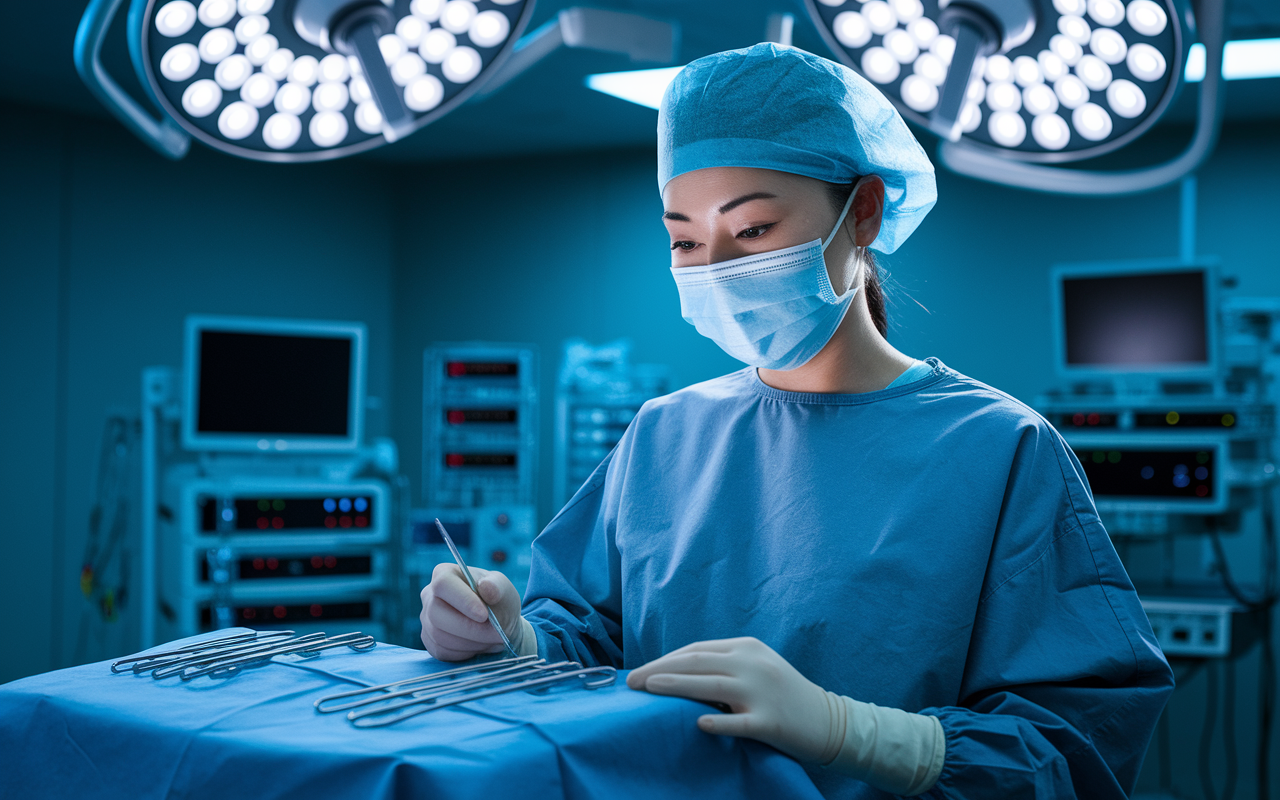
x: 1241, y: 60
x: 303, y: 80
x: 1083, y: 77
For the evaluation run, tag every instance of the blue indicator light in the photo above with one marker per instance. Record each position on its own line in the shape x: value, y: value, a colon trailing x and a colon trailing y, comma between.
x: 345, y: 504
x: 1181, y: 481
x: 1148, y: 473
x: 1180, y: 470
x: 1202, y: 473
x: 361, y: 504
x: 329, y: 505
x: 228, y: 514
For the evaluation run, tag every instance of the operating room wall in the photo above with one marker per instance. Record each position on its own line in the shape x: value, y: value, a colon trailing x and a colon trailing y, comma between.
x: 104, y: 248
x: 540, y: 249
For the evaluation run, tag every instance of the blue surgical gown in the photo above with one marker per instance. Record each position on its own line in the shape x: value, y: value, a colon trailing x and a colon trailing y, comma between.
x: 931, y: 547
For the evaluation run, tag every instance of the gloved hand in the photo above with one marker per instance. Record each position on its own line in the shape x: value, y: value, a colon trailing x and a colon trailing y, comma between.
x: 890, y: 749
x: 455, y: 624
x: 770, y: 700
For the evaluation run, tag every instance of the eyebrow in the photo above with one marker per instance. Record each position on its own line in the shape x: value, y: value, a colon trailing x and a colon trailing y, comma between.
x: 726, y: 208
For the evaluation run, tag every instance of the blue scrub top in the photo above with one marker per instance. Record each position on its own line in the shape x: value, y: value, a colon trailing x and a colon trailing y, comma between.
x: 932, y: 547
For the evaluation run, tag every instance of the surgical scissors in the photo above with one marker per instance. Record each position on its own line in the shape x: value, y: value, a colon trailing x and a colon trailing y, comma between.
x: 395, y: 689
x: 369, y: 718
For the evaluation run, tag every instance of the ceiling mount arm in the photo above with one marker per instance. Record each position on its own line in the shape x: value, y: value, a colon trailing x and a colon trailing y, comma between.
x: 974, y: 163
x: 640, y: 38
x: 164, y: 135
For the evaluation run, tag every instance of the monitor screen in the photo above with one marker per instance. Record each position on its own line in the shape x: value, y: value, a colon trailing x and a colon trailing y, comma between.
x: 1147, y: 320
x: 273, y: 384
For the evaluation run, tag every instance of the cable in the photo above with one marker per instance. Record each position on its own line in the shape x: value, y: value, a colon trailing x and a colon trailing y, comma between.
x: 1206, y: 731
x: 1229, y: 727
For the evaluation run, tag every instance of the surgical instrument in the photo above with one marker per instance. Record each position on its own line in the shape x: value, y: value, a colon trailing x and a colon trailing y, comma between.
x: 207, y: 644
x: 396, y: 689
x: 369, y: 718
x: 356, y: 641
x: 466, y: 573
x: 177, y: 665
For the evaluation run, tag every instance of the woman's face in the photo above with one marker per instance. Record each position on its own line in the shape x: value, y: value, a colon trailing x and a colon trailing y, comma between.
x: 721, y: 213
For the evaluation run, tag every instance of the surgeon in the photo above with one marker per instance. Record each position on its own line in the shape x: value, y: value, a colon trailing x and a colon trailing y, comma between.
x: 889, y: 571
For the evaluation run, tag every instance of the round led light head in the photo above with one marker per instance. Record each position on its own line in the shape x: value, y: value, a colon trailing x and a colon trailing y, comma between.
x: 1089, y: 77
x: 238, y: 75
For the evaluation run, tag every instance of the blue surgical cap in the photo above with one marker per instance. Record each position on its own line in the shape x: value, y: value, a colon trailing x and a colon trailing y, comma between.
x: 777, y: 107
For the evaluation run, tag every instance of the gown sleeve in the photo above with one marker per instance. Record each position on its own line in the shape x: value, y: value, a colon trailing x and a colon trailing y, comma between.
x: 1064, y: 680
x: 575, y: 606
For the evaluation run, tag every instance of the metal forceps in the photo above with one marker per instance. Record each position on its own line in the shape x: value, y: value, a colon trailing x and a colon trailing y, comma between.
x: 175, y: 666
x: 391, y: 714
x: 398, y: 688
x: 147, y: 662
x: 356, y: 641
x: 466, y: 574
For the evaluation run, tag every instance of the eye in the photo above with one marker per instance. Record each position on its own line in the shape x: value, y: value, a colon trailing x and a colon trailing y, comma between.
x: 683, y: 246
x: 755, y: 232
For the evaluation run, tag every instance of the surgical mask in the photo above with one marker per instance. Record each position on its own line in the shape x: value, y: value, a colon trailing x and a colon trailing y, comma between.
x: 774, y: 310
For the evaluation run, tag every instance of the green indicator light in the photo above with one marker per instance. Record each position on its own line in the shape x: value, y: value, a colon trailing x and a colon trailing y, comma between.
x: 1202, y: 457
x: 264, y: 505
x: 1114, y: 456
x: 1099, y: 456
x: 278, y: 505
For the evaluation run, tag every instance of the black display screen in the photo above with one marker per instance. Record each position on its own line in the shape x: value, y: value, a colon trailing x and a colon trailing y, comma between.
x: 1149, y: 473
x: 266, y: 384
x: 1135, y: 320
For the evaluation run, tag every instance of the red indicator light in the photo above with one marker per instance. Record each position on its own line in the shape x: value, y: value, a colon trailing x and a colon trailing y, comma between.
x: 263, y: 523
x: 317, y: 562
x: 258, y: 564
x: 316, y: 609
x: 279, y: 611
x: 272, y: 563
x: 1202, y: 491
x: 250, y: 613
x: 330, y: 562
x: 1094, y: 419
x: 456, y: 368
x: 362, y: 522
x: 277, y: 522
x: 1078, y: 419
x: 456, y: 417
x: 454, y: 460
x: 344, y: 521
x: 498, y: 556
x: 330, y: 521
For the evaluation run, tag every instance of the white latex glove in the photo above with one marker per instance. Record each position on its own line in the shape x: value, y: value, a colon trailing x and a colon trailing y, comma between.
x: 772, y: 702
x: 455, y: 624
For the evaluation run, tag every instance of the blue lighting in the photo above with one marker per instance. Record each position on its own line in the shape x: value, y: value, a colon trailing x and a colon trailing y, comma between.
x: 1202, y: 473
x: 345, y: 504
x: 640, y: 86
x: 361, y: 504
x: 330, y: 505
x: 1241, y: 60
x: 228, y: 514
x: 1181, y: 481
x: 1148, y: 473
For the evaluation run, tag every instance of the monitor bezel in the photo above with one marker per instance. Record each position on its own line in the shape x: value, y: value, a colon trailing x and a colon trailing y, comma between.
x: 193, y: 439
x: 1206, y: 370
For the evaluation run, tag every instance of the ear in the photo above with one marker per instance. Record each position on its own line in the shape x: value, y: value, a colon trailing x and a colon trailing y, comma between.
x: 868, y: 210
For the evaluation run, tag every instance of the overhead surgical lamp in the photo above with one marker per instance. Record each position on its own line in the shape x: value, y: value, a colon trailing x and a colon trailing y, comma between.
x: 308, y: 80
x: 1017, y: 88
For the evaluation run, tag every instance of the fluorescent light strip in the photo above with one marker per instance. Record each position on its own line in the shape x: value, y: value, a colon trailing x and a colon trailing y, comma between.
x: 1241, y: 60
x: 640, y: 86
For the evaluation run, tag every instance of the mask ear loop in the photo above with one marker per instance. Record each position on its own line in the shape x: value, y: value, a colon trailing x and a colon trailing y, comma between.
x: 859, y: 251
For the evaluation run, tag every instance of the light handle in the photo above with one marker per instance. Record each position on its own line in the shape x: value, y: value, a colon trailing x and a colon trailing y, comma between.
x: 163, y: 134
